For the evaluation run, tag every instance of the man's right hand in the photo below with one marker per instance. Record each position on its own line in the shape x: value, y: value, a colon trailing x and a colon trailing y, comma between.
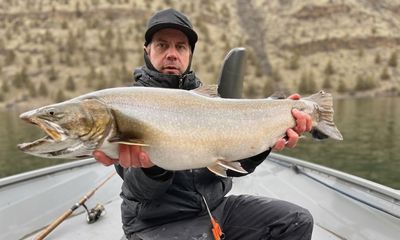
x: 129, y: 156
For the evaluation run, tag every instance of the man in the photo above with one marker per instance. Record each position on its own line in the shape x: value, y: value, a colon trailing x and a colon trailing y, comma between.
x: 162, y: 204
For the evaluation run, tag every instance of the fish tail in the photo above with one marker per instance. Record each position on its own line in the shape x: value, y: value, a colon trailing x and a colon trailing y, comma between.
x: 325, y: 126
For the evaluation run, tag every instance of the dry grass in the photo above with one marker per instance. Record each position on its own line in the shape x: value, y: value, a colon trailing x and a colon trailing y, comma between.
x: 98, y: 43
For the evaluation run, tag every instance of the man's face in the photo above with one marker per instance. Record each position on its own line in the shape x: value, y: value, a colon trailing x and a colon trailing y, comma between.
x: 169, y: 51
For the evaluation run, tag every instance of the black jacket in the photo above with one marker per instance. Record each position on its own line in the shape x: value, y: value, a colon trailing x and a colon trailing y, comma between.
x: 155, y: 196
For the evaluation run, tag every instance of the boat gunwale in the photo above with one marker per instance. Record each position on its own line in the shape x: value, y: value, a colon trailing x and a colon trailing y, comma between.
x: 346, y: 177
x: 26, y: 176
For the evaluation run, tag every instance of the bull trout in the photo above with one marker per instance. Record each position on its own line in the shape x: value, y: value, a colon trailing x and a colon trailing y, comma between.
x: 178, y: 129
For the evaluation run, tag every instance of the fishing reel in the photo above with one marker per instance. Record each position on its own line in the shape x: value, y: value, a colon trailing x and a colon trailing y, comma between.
x: 95, y: 213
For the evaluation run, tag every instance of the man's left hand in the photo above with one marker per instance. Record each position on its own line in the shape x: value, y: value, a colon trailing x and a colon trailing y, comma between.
x: 303, y: 124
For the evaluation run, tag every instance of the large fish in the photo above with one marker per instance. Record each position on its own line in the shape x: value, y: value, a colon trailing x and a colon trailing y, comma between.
x: 178, y: 129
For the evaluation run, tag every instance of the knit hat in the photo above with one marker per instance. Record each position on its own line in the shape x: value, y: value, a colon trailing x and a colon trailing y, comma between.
x: 170, y: 18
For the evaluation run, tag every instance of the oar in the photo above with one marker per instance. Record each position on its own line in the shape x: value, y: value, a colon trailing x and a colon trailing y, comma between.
x: 65, y: 215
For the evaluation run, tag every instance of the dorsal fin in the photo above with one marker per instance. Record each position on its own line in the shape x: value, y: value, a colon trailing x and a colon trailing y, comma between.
x: 207, y: 90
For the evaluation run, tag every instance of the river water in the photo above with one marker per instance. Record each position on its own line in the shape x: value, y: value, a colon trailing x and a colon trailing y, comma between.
x: 371, y: 146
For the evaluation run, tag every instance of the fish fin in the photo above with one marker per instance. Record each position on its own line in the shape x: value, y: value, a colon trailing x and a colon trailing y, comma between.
x: 128, y: 141
x: 218, y: 170
x: 278, y: 95
x: 234, y: 166
x: 207, y: 90
x: 325, y: 123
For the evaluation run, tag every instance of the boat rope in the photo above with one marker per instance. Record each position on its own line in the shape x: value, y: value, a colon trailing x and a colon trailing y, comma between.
x: 300, y: 171
x: 66, y: 214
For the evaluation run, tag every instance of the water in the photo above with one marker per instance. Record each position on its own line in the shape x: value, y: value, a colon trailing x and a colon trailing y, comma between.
x: 370, y: 127
x: 14, y: 131
x: 370, y: 149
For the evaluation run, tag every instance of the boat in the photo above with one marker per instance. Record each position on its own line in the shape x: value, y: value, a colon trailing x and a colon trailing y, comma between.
x: 343, y: 206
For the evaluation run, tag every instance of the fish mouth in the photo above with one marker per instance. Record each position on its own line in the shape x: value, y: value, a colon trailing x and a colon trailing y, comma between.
x: 55, y: 134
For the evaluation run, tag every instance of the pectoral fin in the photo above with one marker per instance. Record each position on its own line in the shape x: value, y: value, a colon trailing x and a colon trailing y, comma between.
x: 128, y: 141
x: 222, y: 165
x: 218, y: 170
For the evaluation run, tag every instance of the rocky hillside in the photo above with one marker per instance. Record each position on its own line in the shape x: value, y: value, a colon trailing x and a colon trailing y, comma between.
x: 56, y: 49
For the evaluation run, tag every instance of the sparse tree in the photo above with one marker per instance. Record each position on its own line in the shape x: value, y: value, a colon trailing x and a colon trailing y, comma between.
x: 42, y: 91
x: 78, y: 11
x: 268, y: 88
x: 52, y: 74
x: 70, y: 84
x: 21, y: 79
x: 60, y: 96
x: 294, y: 61
x: 5, y: 88
x: 91, y: 77
x: 32, y: 90
x: 10, y: 57
x: 342, y: 88
x: 72, y: 42
x: 393, y: 59
x: 125, y: 75
x: 27, y: 60
x: 364, y: 83
x: 327, y: 84
x: 276, y: 75
x: 303, y: 83
x: 329, y: 70
x: 312, y: 85
x: 64, y: 25
x: 360, y: 53
x: 377, y: 58
x: 101, y: 81
x: 48, y: 36
x: 48, y: 57
x: 385, y: 74
x: 307, y: 83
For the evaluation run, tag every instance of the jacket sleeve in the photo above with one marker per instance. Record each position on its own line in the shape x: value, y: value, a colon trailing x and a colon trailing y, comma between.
x: 249, y: 164
x: 146, y: 184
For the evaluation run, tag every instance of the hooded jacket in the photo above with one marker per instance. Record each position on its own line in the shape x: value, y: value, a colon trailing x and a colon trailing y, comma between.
x: 154, y: 196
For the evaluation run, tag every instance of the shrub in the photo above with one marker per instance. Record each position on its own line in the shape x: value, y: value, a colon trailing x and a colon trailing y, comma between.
x: 385, y: 74
x: 377, y: 58
x: 393, y: 60
x: 342, y: 88
x: 42, y: 91
x: 329, y: 70
x: 52, y: 74
x: 70, y: 84
x: 364, y: 83
x: 327, y: 84
x: 307, y: 83
x: 294, y: 62
x: 5, y: 87
x: 60, y: 96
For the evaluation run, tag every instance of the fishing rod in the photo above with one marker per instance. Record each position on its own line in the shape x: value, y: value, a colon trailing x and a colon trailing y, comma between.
x: 93, y: 216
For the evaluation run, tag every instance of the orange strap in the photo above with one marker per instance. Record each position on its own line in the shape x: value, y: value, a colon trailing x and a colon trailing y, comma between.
x: 216, y: 230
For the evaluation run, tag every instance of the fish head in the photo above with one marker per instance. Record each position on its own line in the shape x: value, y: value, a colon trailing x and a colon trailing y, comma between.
x: 73, y: 128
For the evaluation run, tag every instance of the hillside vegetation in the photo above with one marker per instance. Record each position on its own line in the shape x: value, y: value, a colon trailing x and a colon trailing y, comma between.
x: 56, y: 49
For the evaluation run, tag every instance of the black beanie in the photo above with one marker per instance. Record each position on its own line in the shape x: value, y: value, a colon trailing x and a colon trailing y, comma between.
x: 170, y: 18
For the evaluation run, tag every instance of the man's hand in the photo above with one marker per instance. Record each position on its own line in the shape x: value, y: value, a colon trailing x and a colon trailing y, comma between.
x: 129, y: 156
x: 303, y: 124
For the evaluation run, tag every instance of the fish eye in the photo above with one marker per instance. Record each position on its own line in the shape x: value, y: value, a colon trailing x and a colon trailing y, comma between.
x: 52, y: 112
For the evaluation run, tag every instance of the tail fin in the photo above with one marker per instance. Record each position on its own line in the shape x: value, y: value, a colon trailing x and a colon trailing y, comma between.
x: 325, y: 123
